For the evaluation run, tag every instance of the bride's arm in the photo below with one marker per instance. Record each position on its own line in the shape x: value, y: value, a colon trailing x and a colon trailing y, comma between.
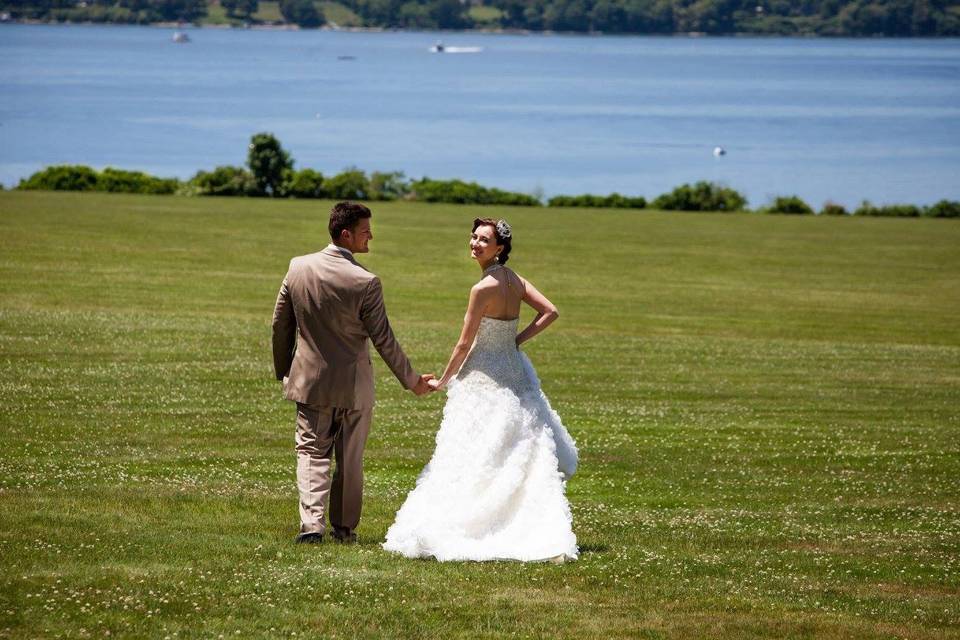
x: 471, y: 323
x: 546, y: 312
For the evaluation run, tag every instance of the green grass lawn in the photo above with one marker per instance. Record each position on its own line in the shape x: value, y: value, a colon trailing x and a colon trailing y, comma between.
x: 766, y: 409
x: 268, y: 11
x: 217, y: 16
x: 484, y: 14
x: 340, y: 14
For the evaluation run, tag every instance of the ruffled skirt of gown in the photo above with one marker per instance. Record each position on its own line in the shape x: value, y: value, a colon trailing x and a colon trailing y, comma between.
x: 494, y: 488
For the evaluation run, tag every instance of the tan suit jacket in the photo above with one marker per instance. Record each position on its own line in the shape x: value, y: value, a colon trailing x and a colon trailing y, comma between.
x: 328, y: 310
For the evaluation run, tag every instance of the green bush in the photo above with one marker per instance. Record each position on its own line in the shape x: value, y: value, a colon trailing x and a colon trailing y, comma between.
x: 305, y: 183
x: 889, y: 210
x: 82, y: 178
x: 612, y: 201
x: 350, y: 184
x: 833, y: 209
x: 225, y: 181
x: 63, y: 177
x: 120, y: 181
x: 702, y: 196
x: 789, y: 204
x: 388, y: 186
x: 943, y: 209
x: 460, y: 192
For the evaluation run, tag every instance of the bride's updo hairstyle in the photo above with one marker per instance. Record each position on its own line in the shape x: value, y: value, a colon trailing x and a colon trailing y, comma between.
x: 501, y: 232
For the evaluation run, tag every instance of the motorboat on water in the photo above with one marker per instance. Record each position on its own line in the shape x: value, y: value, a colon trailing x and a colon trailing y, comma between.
x: 180, y: 36
x: 442, y: 48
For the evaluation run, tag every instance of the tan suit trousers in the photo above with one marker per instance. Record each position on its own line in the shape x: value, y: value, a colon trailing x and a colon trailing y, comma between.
x: 324, y: 433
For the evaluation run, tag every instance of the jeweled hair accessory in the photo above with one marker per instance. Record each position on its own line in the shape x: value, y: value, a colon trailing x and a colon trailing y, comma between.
x: 503, y: 229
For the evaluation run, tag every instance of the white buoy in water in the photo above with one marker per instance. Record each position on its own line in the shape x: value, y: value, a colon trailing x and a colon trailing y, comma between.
x: 719, y: 151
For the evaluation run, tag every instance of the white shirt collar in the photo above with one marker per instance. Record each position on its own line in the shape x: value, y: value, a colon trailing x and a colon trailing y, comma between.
x: 343, y: 249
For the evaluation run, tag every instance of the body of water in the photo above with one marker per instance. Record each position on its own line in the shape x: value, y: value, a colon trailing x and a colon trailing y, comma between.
x: 825, y: 119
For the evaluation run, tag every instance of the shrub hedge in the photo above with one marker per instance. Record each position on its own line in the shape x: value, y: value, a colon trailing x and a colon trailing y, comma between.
x: 789, y: 204
x: 943, y: 209
x: 833, y: 209
x: 120, y: 181
x: 701, y: 196
x: 354, y: 184
x: 225, y: 180
x: 889, y: 210
x: 81, y: 178
x: 64, y: 177
x: 612, y: 201
x: 460, y: 192
x: 305, y: 183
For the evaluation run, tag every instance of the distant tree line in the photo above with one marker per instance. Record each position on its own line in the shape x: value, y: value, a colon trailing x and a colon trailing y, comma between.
x: 270, y: 172
x: 782, y: 17
x: 115, y: 11
x: 409, y: 14
x: 305, y: 13
x: 718, y: 17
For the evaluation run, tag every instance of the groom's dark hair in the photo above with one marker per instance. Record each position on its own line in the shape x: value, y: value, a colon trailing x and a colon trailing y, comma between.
x: 346, y: 215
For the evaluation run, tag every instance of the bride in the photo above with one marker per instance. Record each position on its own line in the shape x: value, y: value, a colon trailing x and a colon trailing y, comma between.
x: 494, y: 488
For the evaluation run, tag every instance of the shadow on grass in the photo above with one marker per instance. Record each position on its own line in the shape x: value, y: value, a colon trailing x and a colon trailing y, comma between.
x: 587, y: 549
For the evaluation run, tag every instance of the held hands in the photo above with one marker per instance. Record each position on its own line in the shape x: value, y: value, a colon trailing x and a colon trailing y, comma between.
x: 434, y: 384
x: 424, y: 385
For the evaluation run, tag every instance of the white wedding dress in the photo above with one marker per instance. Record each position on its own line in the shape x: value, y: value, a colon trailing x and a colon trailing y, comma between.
x: 494, y: 488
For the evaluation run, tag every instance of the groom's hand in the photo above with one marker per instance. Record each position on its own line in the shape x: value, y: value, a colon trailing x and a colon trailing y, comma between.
x: 423, y: 387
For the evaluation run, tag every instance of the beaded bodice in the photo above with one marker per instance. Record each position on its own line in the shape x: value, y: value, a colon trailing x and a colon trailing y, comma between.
x: 495, y: 358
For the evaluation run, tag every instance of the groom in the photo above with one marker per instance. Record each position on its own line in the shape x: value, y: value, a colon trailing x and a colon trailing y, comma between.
x: 328, y: 309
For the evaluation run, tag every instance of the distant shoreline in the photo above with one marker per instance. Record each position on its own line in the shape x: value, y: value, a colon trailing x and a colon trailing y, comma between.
x: 508, y: 32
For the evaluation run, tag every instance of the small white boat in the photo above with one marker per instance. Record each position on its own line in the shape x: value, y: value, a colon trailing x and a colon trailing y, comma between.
x: 180, y: 36
x: 442, y: 48
x: 719, y: 151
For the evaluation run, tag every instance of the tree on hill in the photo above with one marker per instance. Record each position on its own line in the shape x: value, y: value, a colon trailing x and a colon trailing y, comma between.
x: 174, y: 10
x: 567, y: 15
x: 301, y: 12
x: 413, y: 15
x: 241, y: 9
x: 449, y: 14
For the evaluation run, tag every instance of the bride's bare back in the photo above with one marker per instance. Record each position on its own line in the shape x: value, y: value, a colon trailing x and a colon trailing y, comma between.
x: 498, y: 295
x: 504, y: 290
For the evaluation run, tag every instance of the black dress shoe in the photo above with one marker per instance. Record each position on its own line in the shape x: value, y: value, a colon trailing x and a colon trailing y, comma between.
x: 343, y: 536
x: 309, y: 538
